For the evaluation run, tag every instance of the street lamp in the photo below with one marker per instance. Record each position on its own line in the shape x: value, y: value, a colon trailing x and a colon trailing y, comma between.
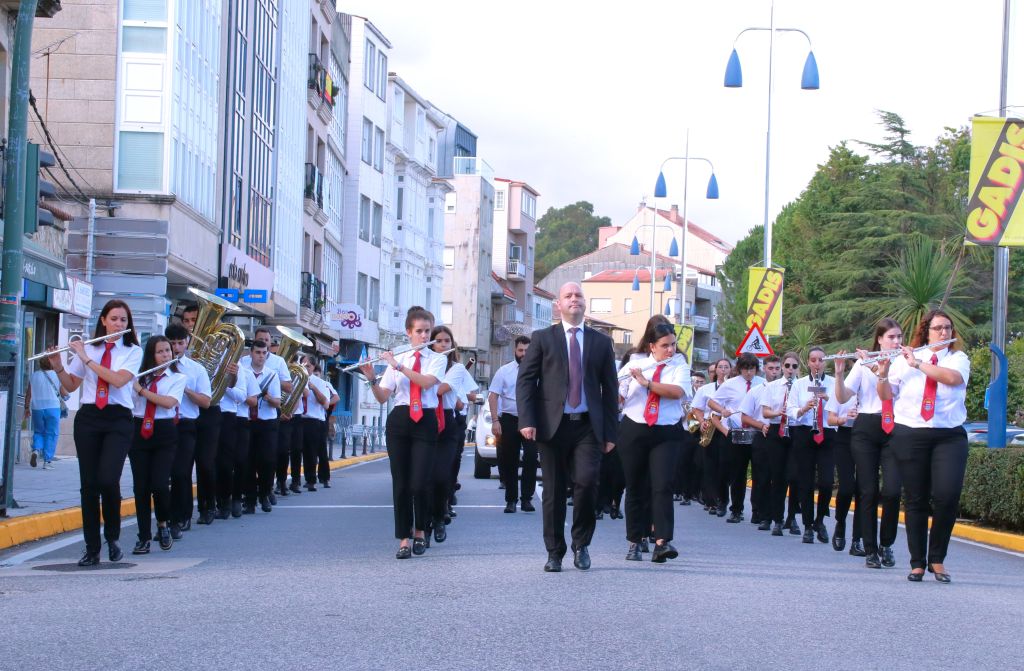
x: 634, y: 250
x: 734, y: 79
x: 660, y: 191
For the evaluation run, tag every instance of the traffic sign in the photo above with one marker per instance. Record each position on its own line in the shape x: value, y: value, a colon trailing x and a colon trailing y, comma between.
x: 126, y: 245
x: 119, y: 283
x: 143, y: 265
x: 755, y: 343
x: 120, y: 225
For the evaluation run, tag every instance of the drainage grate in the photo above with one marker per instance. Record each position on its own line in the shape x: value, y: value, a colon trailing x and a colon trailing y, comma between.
x: 69, y: 568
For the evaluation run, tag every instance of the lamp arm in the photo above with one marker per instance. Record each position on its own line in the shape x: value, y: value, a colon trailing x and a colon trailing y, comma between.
x: 778, y: 30
x: 685, y: 158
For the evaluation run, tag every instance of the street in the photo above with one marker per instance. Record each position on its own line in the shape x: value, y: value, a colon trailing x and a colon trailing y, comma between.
x: 315, y: 584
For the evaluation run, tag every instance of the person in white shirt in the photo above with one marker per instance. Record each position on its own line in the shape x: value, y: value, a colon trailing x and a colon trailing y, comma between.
x: 812, y: 442
x: 841, y: 417
x: 688, y: 465
x: 262, y: 464
x: 288, y: 432
x: 411, y: 430
x: 155, y: 441
x: 871, y: 451
x: 648, y: 438
x: 781, y: 457
x: 103, y: 423
x: 711, y: 455
x: 238, y: 473
x: 43, y: 401
x: 751, y: 410
x: 930, y: 391
x: 238, y: 394
x: 468, y: 389
x: 320, y: 397
x: 501, y: 399
x: 734, y: 457
x: 448, y: 432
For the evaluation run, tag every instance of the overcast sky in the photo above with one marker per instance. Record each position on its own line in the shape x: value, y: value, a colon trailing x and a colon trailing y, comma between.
x: 584, y: 103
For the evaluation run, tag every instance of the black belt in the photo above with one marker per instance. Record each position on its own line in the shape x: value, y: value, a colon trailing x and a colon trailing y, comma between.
x: 576, y: 416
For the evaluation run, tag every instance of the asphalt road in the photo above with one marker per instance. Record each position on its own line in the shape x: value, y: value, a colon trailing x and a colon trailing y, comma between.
x: 314, y: 585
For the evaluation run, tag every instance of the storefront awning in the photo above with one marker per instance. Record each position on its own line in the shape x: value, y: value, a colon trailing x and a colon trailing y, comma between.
x: 38, y: 266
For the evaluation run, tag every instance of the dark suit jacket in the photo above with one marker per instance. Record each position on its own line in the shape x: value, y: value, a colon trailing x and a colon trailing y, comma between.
x: 543, y: 383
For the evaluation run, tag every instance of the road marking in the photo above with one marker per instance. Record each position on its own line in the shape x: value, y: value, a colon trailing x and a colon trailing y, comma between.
x: 132, y: 565
x: 73, y: 538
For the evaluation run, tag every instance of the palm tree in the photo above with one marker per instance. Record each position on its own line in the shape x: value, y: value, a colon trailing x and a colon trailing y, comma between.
x: 801, y: 338
x: 923, y: 280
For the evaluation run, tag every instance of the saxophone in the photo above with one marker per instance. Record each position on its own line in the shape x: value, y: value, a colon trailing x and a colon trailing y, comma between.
x: 707, y: 429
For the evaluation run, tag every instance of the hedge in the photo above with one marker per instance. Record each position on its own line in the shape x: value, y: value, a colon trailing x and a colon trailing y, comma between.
x: 993, y: 490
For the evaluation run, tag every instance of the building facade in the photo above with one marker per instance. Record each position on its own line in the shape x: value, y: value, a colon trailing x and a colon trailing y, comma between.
x: 515, y: 231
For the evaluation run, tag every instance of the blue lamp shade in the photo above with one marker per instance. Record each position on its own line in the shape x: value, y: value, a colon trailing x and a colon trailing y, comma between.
x: 713, y: 187
x: 673, y: 250
x: 668, y: 281
x: 636, y: 281
x: 734, y: 73
x: 634, y: 247
x: 660, y: 190
x: 809, y: 81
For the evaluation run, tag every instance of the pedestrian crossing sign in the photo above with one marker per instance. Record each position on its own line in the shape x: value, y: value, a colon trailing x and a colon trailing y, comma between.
x: 755, y: 343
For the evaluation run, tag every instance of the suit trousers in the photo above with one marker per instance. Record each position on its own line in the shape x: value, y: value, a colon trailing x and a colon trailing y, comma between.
x: 932, y: 464
x: 847, y: 474
x: 411, y: 448
x: 740, y: 456
x: 441, y: 473
x: 815, y: 467
x: 760, y: 489
x: 872, y: 451
x: 226, y: 440
x: 685, y: 466
x: 716, y: 471
x: 778, y: 449
x: 102, y: 438
x: 240, y: 457
x: 151, y: 460
x: 612, y: 483
x: 181, y: 472
x: 648, y: 459
x: 290, y: 447
x: 509, y: 461
x: 259, y: 481
x: 459, y: 448
x: 207, y: 445
x: 573, y: 452
x: 314, y: 437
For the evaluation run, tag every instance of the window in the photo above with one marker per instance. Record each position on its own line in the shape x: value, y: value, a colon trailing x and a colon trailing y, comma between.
x: 374, y: 310
x: 499, y: 200
x: 430, y: 298
x: 382, y: 75
x: 361, y: 286
x: 398, y: 290
x: 378, y: 223
x: 140, y: 161
x: 378, y: 153
x: 446, y: 313
x: 529, y: 205
x: 689, y: 307
x: 364, y: 219
x: 431, y: 151
x: 430, y: 222
x: 366, y: 152
x: 600, y: 305
x: 627, y: 338
x: 449, y: 257
x: 369, y: 65
x: 714, y: 344
x: 627, y: 306
x: 398, y: 203
x: 449, y: 202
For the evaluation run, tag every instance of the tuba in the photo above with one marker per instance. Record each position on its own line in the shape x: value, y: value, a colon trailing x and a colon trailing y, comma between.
x: 291, y: 346
x: 215, y: 346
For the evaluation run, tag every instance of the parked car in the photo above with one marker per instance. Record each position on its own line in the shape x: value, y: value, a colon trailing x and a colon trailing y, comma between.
x: 977, y: 432
x: 486, y: 453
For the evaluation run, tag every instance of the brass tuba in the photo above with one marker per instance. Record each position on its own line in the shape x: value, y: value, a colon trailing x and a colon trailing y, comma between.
x: 215, y: 346
x: 291, y: 346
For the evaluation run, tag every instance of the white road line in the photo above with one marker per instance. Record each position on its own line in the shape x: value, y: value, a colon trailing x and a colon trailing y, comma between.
x: 72, y: 538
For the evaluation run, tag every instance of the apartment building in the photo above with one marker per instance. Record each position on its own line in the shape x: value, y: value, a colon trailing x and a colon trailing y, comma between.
x: 514, y: 240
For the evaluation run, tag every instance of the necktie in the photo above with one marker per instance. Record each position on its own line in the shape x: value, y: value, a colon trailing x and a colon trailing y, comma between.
x: 254, y: 411
x: 785, y: 417
x: 415, y: 404
x: 440, y: 413
x: 748, y: 385
x: 575, y: 370
x: 304, y: 406
x: 888, y: 423
x: 653, y: 400
x: 102, y: 388
x: 930, y: 387
x: 150, y: 415
x: 819, y: 437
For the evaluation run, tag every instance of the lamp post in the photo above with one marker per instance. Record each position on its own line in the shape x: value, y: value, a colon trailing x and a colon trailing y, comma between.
x: 666, y: 286
x: 634, y: 250
x: 808, y: 82
x: 661, y: 190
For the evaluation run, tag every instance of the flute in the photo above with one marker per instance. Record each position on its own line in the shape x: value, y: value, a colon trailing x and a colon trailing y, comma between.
x: 398, y: 350
x: 74, y: 338
x: 895, y: 353
x: 155, y: 369
x: 674, y: 360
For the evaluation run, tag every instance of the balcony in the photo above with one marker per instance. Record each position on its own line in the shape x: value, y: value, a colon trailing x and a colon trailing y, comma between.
x: 701, y: 354
x: 320, y: 89
x: 702, y: 323
x: 471, y: 165
x: 313, y: 297
x: 516, y: 269
x: 509, y: 314
x: 313, y: 190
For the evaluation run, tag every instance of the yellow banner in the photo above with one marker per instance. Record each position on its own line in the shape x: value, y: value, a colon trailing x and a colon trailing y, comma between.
x: 994, y: 214
x: 764, y: 300
x: 684, y: 341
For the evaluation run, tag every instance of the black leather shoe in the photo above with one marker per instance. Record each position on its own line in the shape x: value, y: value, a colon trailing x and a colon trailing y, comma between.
x: 633, y: 553
x: 940, y: 577
x: 599, y: 515
x: 616, y: 513
x: 114, y: 551
x: 721, y: 511
x: 236, y: 508
x: 440, y: 532
x: 175, y: 531
x: 527, y: 506
x: 888, y: 559
x: 141, y: 548
x: 272, y: 498
x: 685, y: 502
x: 788, y: 525
x: 663, y: 552
x: 915, y: 577
x: 295, y: 489
x: 794, y: 529
x: 186, y: 525
x: 822, y: 532
x: 809, y: 535
x: 404, y: 552
x: 249, y: 509
x: 419, y: 546
x: 644, y: 547
x: 265, y: 504
x: 282, y: 491
x: 766, y: 525
x: 326, y: 484
x: 735, y: 518
x: 581, y: 558
x: 510, y: 507
x: 713, y: 511
x: 838, y: 543
x: 553, y: 565
x: 222, y: 513
x: 872, y: 561
x: 310, y: 487
x: 776, y: 529
x: 451, y: 512
x: 89, y: 559
x: 203, y: 519
x: 857, y: 548
x: 166, y: 540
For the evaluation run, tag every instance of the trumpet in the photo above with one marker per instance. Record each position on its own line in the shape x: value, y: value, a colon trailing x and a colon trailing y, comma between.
x: 395, y: 352
x: 74, y: 338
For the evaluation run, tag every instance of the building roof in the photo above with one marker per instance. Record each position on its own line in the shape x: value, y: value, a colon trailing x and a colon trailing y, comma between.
x: 518, y: 183
x: 662, y: 258
x: 504, y: 286
x: 644, y: 275
x: 543, y: 293
x: 674, y: 217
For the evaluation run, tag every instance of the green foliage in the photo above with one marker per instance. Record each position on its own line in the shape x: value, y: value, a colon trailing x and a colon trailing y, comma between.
x: 564, y: 234
x: 799, y: 339
x: 981, y: 369
x: 993, y: 490
x: 919, y: 283
x: 732, y: 311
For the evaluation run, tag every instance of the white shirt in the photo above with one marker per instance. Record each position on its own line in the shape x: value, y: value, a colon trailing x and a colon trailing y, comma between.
x: 274, y: 363
x: 504, y: 385
x: 863, y: 383
x: 452, y: 379
x: 582, y: 407
x: 752, y: 405
x: 271, y: 383
x: 248, y: 382
x: 908, y: 388
x: 313, y: 408
x: 198, y: 382
x: 703, y: 395
x: 431, y: 363
x: 670, y: 411
x: 773, y: 397
x: 233, y: 395
x: 833, y: 405
x: 799, y: 397
x: 463, y: 384
x: 44, y: 384
x: 171, y: 384
x: 731, y: 394
x: 122, y: 357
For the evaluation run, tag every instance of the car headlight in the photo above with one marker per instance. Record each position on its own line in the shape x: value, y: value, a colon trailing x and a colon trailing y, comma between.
x: 489, y: 441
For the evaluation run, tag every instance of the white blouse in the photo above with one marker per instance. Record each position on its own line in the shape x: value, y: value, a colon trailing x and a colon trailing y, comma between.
x: 431, y: 363
x: 198, y: 382
x: 171, y: 384
x: 670, y: 410
x: 122, y: 357
x: 800, y: 395
x: 908, y: 389
x: 313, y: 408
x: 863, y: 383
x: 248, y: 382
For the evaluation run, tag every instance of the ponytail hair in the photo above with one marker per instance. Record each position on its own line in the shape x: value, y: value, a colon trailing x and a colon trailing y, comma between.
x: 417, y: 313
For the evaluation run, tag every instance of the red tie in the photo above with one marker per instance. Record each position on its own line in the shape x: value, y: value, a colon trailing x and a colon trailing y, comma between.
x: 415, y: 404
x: 304, y: 407
x: 653, y: 400
x: 888, y: 423
x: 785, y: 417
x: 440, y: 413
x: 147, y: 421
x: 930, y: 387
x: 254, y: 412
x: 102, y: 388
x: 819, y: 437
x: 748, y: 385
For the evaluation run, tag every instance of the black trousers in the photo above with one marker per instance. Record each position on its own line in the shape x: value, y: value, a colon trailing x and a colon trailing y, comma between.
x: 323, y: 455
x: 573, y: 452
x: 181, y: 472
x: 932, y: 464
x: 460, y: 446
x: 207, y: 446
x: 648, y: 456
x: 872, y: 452
x: 226, y: 446
x: 716, y: 471
x: 611, y: 482
x: 847, y: 473
x: 259, y: 481
x: 739, y: 462
x: 441, y: 473
x: 290, y: 447
x: 102, y: 438
x: 816, y: 467
x: 314, y: 448
x: 241, y: 457
x: 684, y: 464
x: 696, y: 465
x: 760, y: 488
x: 778, y: 449
x: 508, y: 460
x: 151, y: 460
x: 411, y: 448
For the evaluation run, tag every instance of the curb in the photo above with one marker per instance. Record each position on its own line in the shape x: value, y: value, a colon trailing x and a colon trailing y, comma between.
x: 18, y: 530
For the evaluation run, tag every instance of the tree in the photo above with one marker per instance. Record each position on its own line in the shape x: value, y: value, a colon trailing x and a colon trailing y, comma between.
x: 565, y: 234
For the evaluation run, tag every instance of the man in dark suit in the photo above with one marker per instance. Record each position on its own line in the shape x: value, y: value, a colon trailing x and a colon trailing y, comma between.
x: 567, y: 395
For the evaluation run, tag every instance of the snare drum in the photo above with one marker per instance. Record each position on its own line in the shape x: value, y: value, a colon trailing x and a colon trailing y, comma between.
x: 742, y: 436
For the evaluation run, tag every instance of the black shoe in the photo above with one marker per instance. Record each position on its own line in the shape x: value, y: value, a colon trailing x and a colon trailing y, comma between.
x: 272, y: 498
x: 755, y: 518
x: 326, y: 484
x: 249, y: 509
x: 223, y: 513
x: 453, y: 500
x: 527, y: 506
x: 282, y: 491
x: 644, y: 547
x: 766, y: 525
x: 685, y: 502
x: 186, y: 525
x: 203, y: 519
x: 114, y: 551
x: 510, y: 506
x: 794, y: 529
x: 633, y: 553
x: 89, y: 559
x: 265, y: 504
x: 888, y: 559
x: 236, y: 509
x: 712, y: 510
x: 721, y: 511
x: 599, y: 515
x: 404, y: 552
x: 822, y: 532
x: 872, y: 561
x: 857, y: 548
x: 735, y: 518
x: 210, y: 516
x: 426, y: 539
x: 808, y: 535
x: 663, y: 552
x: 941, y: 577
x: 141, y: 548
x: 419, y: 546
x: 616, y: 513
x: 166, y: 537
x: 838, y: 543
x: 175, y: 531
x: 295, y: 489
x: 788, y: 525
x: 581, y: 558
x: 777, y: 529
x: 915, y: 577
x: 568, y: 501
x: 310, y: 487
x: 451, y: 512
x: 440, y: 532
x: 553, y: 564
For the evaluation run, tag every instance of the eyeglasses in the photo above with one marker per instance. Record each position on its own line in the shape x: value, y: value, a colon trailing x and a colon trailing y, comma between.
x: 940, y: 329
x: 794, y: 366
